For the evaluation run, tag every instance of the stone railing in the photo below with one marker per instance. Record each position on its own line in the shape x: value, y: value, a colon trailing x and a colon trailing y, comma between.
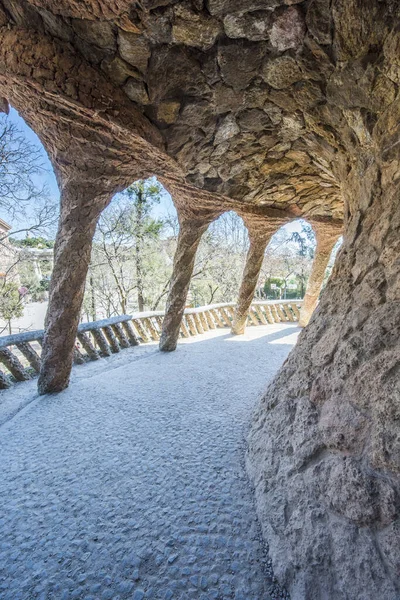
x: 20, y: 353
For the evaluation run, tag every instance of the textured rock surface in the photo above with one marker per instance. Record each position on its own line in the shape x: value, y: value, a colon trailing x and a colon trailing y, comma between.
x: 275, y: 109
x: 324, y: 451
x: 253, y: 70
x: 191, y: 228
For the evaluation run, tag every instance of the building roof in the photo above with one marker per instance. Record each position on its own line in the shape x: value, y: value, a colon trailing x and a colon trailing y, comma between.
x: 4, y: 225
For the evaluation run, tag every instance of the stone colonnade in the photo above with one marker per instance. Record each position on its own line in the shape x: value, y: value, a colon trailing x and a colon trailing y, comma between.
x: 100, y: 145
x: 192, y: 226
x: 97, y: 148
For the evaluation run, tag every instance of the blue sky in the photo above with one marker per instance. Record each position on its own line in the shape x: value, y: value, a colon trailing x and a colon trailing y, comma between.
x: 165, y: 207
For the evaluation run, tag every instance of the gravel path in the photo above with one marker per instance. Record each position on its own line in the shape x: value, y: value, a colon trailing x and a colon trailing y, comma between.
x: 131, y: 485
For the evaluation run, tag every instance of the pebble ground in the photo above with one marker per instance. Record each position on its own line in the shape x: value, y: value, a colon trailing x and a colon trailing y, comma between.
x: 131, y: 483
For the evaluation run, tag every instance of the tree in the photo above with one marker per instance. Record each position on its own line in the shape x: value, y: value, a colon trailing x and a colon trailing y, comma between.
x: 20, y: 163
x: 126, y: 252
x: 11, y: 306
x: 22, y: 195
x: 220, y: 261
x: 289, y: 258
x: 32, y: 242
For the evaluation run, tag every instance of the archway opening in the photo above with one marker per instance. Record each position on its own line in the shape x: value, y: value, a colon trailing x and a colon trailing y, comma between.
x: 288, y: 262
x: 219, y: 261
x: 29, y: 208
x: 132, y: 253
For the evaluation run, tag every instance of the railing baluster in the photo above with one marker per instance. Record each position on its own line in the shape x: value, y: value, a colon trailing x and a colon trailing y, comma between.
x: 140, y: 329
x: 209, y: 318
x: 199, y: 326
x: 268, y: 314
x: 192, y: 324
x: 295, y: 311
x: 120, y: 334
x: 288, y: 312
x: 150, y: 327
x: 79, y: 359
x: 184, y: 329
x: 231, y: 311
x: 112, y: 340
x: 203, y: 320
x: 217, y: 318
x: 225, y: 316
x: 159, y: 320
x: 130, y: 333
x: 275, y: 314
x: 13, y: 364
x: 101, y: 341
x: 281, y: 314
x: 89, y: 347
x: 260, y: 314
x: 30, y: 354
x: 252, y: 316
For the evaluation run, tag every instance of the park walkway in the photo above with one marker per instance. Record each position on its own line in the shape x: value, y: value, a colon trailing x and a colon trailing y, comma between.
x: 131, y: 483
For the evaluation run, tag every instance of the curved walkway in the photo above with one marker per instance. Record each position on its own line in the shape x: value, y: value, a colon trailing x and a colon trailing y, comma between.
x: 131, y: 485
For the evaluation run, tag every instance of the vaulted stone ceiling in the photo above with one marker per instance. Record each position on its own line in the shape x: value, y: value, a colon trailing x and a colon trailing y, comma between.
x: 254, y: 99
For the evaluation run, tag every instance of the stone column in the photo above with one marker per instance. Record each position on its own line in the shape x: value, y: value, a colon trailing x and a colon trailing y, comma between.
x: 81, y: 206
x: 326, y: 237
x: 192, y: 226
x: 36, y: 267
x: 259, y: 235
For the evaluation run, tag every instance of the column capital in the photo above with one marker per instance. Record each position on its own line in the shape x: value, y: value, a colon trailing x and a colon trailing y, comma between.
x: 326, y: 233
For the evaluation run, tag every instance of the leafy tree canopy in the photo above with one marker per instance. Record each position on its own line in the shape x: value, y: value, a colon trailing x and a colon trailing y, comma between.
x: 32, y: 242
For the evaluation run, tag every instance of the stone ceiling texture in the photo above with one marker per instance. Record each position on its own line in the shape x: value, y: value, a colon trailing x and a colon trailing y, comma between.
x: 257, y: 101
x: 275, y: 109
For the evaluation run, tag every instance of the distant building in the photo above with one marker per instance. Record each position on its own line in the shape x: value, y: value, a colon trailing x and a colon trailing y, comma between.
x: 4, y: 229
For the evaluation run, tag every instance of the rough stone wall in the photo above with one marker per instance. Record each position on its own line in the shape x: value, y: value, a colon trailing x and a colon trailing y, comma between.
x: 324, y: 449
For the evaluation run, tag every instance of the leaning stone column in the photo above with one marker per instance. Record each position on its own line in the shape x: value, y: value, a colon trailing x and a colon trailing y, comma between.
x: 260, y: 236
x: 192, y: 226
x: 81, y: 206
x: 326, y: 237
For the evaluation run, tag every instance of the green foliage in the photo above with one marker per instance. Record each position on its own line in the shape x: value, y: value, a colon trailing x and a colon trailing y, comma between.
x: 32, y: 242
x: 269, y: 290
x: 11, y: 306
x: 30, y: 280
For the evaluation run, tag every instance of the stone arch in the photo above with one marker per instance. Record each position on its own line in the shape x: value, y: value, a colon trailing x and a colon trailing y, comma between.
x: 231, y: 227
x: 260, y: 233
x: 294, y: 225
x: 126, y: 288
